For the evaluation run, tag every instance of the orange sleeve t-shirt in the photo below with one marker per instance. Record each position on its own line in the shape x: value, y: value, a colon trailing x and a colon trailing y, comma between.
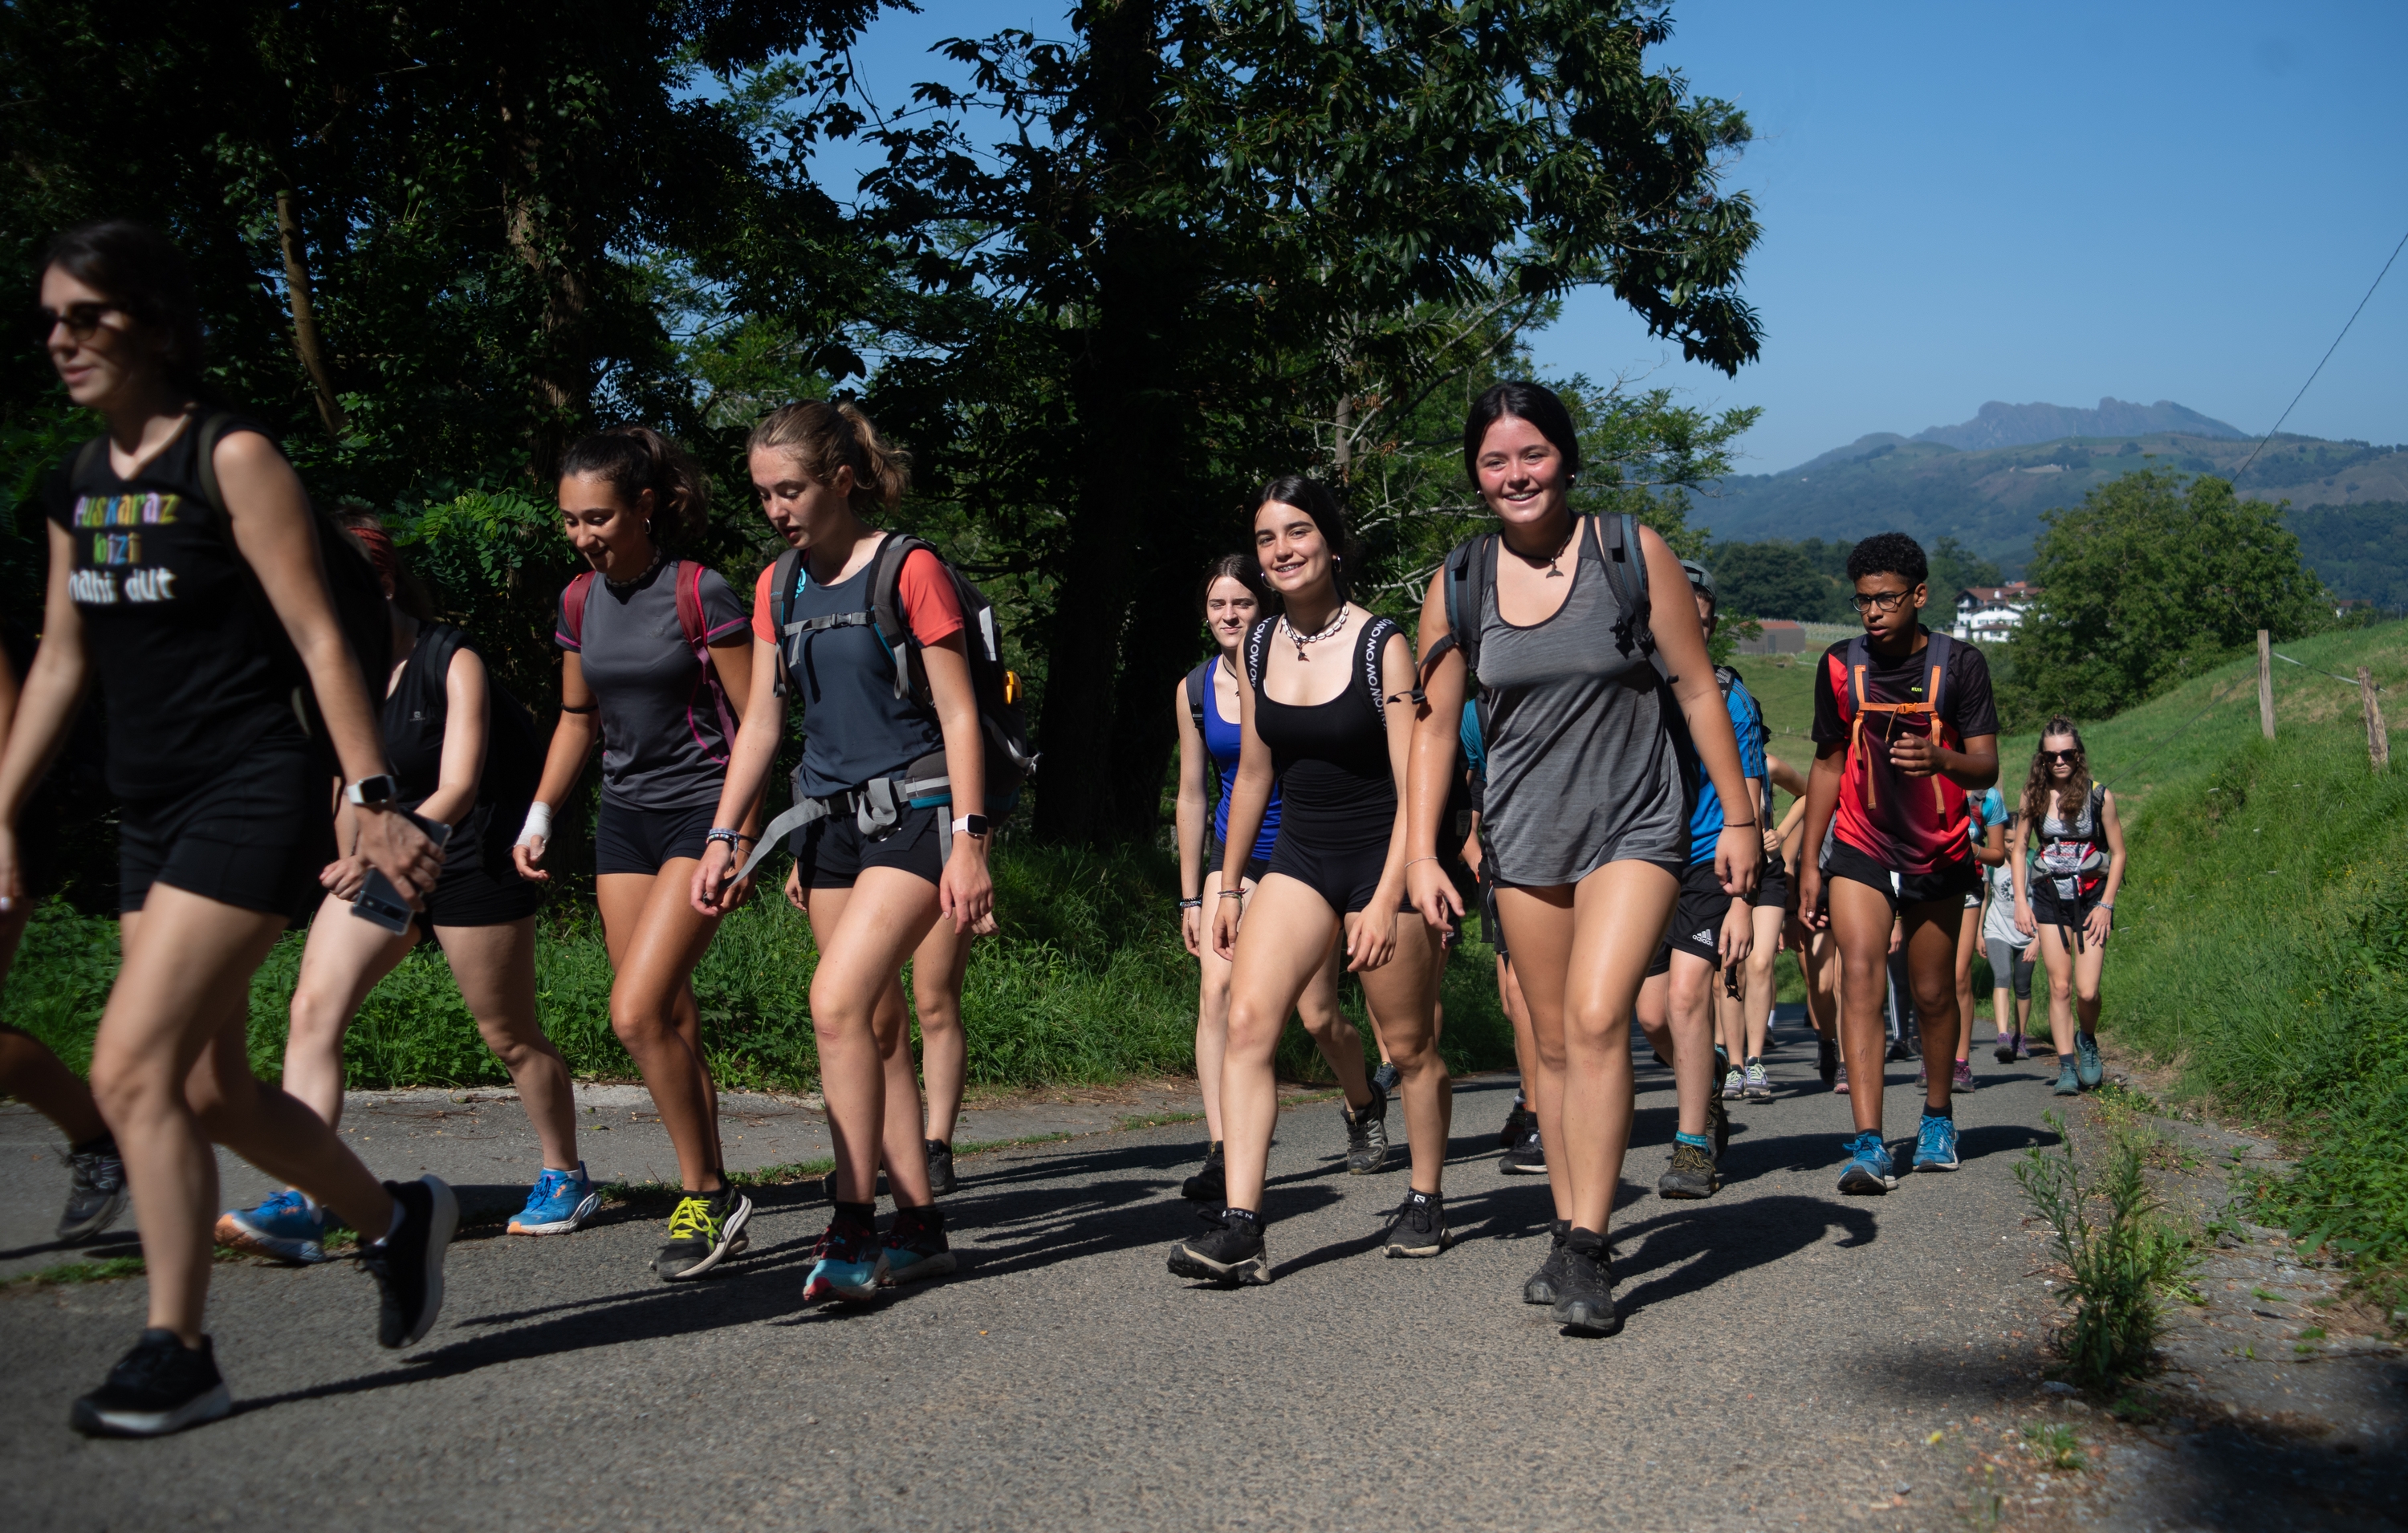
x: 930, y: 608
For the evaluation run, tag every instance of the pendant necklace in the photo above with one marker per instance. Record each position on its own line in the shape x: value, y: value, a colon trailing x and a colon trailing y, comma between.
x: 1555, y: 567
x: 1301, y: 640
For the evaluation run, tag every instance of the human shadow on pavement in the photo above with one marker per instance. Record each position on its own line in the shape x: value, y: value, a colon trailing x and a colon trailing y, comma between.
x: 1696, y: 1246
x: 105, y: 1246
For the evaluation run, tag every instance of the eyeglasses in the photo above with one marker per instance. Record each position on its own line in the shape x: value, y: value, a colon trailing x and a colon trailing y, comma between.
x: 2067, y: 757
x: 1887, y: 600
x: 81, y: 319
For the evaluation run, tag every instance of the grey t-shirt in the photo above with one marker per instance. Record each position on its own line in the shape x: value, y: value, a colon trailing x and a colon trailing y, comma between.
x: 1584, y: 767
x: 662, y: 747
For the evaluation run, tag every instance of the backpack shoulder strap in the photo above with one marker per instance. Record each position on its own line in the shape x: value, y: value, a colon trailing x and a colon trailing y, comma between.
x: 205, y: 458
x: 1470, y: 573
x: 689, y: 608
x: 1937, y: 657
x: 784, y: 582
x: 1858, y: 658
x: 1198, y: 680
x: 886, y: 606
x: 572, y: 606
x: 1625, y: 571
x: 443, y: 641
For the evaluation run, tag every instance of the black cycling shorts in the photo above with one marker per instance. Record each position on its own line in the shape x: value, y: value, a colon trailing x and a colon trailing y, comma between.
x: 627, y: 839
x: 1948, y: 883
x: 256, y: 836
x: 1344, y: 878
x: 1216, y: 857
x: 2048, y: 910
x: 1698, y: 917
x: 831, y: 852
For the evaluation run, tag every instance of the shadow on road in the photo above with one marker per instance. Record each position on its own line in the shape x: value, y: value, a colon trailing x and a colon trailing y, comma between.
x: 1696, y: 1246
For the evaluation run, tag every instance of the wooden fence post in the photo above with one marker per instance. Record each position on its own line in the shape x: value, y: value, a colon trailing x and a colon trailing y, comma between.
x: 2266, y: 682
x: 2378, y: 742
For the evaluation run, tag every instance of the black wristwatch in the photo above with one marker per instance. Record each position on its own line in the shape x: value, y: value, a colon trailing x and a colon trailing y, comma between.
x: 378, y: 790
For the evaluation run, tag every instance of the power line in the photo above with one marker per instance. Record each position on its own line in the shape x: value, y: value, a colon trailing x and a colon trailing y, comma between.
x: 2320, y: 366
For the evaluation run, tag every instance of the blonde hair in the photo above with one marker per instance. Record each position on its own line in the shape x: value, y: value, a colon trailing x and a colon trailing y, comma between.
x: 824, y: 438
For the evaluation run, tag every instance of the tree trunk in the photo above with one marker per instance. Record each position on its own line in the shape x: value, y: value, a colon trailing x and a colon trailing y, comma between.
x: 306, y: 341
x: 541, y: 235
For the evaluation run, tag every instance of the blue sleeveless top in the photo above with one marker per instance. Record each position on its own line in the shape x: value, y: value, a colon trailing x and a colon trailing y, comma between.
x: 1226, y: 739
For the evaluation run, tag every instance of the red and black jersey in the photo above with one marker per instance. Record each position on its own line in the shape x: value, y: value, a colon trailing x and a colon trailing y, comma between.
x: 1863, y: 700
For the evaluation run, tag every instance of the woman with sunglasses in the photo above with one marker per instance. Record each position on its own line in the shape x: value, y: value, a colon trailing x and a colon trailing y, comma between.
x: 2067, y: 860
x: 194, y: 591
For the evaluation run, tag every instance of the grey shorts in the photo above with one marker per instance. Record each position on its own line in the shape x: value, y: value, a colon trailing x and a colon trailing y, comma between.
x: 2011, y: 966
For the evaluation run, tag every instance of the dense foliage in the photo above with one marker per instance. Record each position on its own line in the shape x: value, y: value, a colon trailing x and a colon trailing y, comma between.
x: 1807, y: 582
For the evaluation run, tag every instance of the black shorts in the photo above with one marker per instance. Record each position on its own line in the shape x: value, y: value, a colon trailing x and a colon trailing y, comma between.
x: 1216, y: 857
x: 1491, y: 927
x: 1343, y: 877
x: 831, y: 852
x: 256, y: 836
x: 1697, y: 919
x: 2049, y: 909
x: 1946, y: 885
x: 1772, y: 886
x: 471, y: 893
x: 627, y: 839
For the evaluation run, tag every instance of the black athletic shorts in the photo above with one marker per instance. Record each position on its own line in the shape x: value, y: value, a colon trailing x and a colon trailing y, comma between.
x: 1949, y: 883
x: 1772, y: 886
x: 471, y: 893
x: 1345, y: 879
x: 1216, y: 857
x: 631, y: 841
x: 256, y: 836
x: 1697, y: 917
x: 831, y: 852
x: 2049, y: 911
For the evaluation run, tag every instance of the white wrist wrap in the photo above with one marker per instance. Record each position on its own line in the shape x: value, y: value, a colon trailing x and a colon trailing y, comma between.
x: 538, y: 823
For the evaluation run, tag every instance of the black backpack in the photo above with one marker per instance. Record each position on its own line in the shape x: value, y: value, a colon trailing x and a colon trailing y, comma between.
x: 1011, y: 755
x: 513, y: 751
x: 351, y: 582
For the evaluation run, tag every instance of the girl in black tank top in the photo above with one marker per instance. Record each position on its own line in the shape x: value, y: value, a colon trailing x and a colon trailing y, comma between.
x: 1337, y: 745
x: 188, y: 596
x: 459, y: 758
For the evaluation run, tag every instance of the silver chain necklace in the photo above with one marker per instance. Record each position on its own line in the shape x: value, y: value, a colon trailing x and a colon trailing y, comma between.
x: 1301, y: 640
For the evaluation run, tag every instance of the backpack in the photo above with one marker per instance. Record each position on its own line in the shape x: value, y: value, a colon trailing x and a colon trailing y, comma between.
x: 353, y: 586
x: 690, y: 622
x: 1010, y: 754
x: 1853, y: 706
x: 514, y: 751
x: 1198, y: 680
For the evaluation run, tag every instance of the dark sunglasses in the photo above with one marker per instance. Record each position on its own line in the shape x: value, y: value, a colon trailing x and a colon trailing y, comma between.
x: 81, y: 319
x: 1887, y: 600
x: 2067, y: 757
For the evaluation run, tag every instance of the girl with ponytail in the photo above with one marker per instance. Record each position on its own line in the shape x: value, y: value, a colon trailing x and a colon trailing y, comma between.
x: 657, y: 671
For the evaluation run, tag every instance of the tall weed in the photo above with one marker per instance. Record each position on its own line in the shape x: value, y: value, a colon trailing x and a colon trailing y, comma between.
x: 2117, y: 1261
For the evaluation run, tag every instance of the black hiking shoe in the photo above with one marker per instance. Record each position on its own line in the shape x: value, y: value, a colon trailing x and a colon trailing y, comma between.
x: 408, y: 1265
x: 1518, y: 1121
x: 96, y: 1191
x: 1367, y: 1135
x: 916, y: 1248
x: 160, y: 1386
x: 940, y: 1167
x: 1826, y: 1059
x: 1528, y: 1157
x: 1692, y: 1174
x: 1584, y: 1288
x: 1541, y: 1289
x: 1209, y: 1184
x: 1230, y: 1251
x: 705, y: 1229
x: 1419, y: 1228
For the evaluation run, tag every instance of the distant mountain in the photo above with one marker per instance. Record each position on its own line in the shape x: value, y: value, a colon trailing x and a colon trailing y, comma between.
x: 1997, y: 424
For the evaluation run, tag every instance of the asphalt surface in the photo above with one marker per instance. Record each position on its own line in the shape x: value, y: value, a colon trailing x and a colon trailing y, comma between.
x: 1788, y: 1357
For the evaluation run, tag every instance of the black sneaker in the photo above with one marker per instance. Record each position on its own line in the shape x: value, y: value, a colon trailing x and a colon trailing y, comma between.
x: 1385, y: 1079
x: 1367, y: 1135
x: 160, y: 1386
x: 1229, y: 1251
x: 1527, y: 1158
x: 408, y: 1265
x: 1826, y: 1059
x: 940, y: 1167
x: 1899, y: 1048
x: 1209, y: 1184
x: 1541, y: 1289
x: 916, y: 1248
x: 1584, y: 1288
x: 1518, y: 1122
x: 97, y: 1193
x: 705, y: 1229
x: 1419, y: 1228
x: 1718, y: 1124
x: 1692, y: 1174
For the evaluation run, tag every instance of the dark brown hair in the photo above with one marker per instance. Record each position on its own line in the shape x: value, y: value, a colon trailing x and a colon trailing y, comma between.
x: 366, y: 532
x: 135, y: 267
x: 1246, y: 572
x: 1313, y: 498
x: 824, y: 438
x: 1533, y: 402
x: 634, y: 459
x: 2075, y: 791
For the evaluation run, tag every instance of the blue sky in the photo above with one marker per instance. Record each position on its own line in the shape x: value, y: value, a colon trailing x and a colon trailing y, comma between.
x: 2026, y: 202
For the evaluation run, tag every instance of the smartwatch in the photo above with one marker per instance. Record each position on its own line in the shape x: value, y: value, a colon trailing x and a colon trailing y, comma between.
x: 970, y: 824
x: 379, y: 789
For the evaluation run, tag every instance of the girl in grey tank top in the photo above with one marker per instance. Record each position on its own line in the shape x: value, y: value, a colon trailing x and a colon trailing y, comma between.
x: 1582, y: 765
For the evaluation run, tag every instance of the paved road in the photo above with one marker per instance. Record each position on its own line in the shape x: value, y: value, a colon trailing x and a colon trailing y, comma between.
x: 1787, y: 1356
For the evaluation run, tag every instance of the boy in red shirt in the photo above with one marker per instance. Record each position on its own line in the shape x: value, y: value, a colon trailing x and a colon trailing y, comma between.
x: 1903, y: 725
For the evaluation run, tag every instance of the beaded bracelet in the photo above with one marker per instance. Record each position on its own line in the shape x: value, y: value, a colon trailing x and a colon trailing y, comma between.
x: 1195, y: 904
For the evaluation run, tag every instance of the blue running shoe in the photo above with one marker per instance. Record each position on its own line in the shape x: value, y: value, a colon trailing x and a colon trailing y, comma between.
x: 848, y: 1263
x: 2088, y: 1069
x: 286, y: 1227
x: 559, y: 1202
x: 2066, y: 1085
x: 1869, y: 1171
x: 1935, y: 1145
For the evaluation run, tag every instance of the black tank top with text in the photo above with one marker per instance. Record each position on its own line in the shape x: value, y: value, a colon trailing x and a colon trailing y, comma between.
x: 1337, y: 788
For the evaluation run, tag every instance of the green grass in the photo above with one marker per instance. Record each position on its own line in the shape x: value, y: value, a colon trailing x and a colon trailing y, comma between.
x: 1086, y: 982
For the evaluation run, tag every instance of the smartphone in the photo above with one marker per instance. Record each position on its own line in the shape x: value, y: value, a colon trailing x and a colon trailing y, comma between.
x: 379, y: 902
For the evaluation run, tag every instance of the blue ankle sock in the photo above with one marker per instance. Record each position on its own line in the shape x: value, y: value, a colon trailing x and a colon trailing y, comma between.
x: 1695, y: 1141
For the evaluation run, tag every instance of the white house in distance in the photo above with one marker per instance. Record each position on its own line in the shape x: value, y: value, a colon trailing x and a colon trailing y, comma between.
x: 1986, y: 614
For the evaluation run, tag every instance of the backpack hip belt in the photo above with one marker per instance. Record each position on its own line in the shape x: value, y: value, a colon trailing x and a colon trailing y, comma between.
x: 875, y: 806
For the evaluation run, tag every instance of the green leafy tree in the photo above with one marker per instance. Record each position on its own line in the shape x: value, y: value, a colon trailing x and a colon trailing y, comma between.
x: 1771, y: 580
x: 2152, y: 579
x: 1956, y: 568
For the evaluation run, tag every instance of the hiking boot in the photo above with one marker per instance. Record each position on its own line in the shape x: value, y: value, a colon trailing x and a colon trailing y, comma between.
x: 1585, y: 1287
x: 1826, y: 1058
x: 1385, y: 1079
x: 1717, y: 1124
x: 2005, y: 1052
x: 1209, y: 1184
x: 1367, y: 1135
x: 160, y: 1386
x: 1518, y: 1122
x: 2088, y: 1068
x: 1230, y: 1251
x: 2066, y: 1084
x: 940, y: 1167
x: 705, y: 1229
x: 1541, y: 1289
x: 1419, y: 1228
x: 407, y: 1263
x: 1734, y: 1085
x: 915, y: 1247
x: 1755, y: 1083
x: 1692, y: 1174
x: 1962, y: 1081
x: 1935, y: 1145
x: 95, y: 1190
x: 1869, y: 1171
x: 1527, y: 1158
